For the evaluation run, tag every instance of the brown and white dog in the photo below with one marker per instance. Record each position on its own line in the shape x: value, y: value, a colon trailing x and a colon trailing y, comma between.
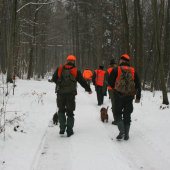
x: 103, y: 114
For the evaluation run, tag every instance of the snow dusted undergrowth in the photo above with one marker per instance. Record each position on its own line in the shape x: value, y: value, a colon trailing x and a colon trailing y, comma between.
x: 37, y: 145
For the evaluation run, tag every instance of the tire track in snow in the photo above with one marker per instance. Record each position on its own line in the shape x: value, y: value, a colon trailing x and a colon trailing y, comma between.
x: 114, y: 149
x: 142, y: 147
x: 55, y: 151
x: 98, y: 138
x: 151, y: 157
x: 163, y: 156
x: 92, y: 144
x: 40, y: 150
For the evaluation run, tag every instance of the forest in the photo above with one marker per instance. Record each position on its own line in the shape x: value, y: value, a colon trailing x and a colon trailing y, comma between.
x: 36, y: 36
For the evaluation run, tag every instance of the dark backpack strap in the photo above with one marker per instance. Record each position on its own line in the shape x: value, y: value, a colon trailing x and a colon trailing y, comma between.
x: 66, y: 68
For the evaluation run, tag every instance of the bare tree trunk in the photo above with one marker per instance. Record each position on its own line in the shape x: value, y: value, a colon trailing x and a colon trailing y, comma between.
x: 91, y: 57
x: 158, y: 46
x: 140, y: 40
x: 155, y: 68
x: 33, y: 45
x: 3, y: 39
x: 97, y: 37
x: 101, y: 33
x: 136, y: 34
x: 1, y: 48
x: 77, y: 39
x: 73, y: 38
x: 148, y: 63
x: 166, y: 41
x: 90, y: 44
x: 126, y: 26
x: 43, y: 58
x: 112, y: 30
x: 11, y: 42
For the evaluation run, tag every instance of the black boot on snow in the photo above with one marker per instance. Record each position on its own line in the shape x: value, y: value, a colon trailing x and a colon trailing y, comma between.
x: 126, y: 137
x: 114, y: 123
x: 121, y: 128
x: 70, y: 125
x: 61, y: 131
x: 127, y: 128
x: 70, y: 134
x: 62, y: 121
x: 120, y: 136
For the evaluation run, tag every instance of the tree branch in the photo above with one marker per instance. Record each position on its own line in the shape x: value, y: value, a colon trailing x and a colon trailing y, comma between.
x: 32, y: 3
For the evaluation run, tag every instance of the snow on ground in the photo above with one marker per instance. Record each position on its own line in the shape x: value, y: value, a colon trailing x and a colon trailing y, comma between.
x: 93, y: 146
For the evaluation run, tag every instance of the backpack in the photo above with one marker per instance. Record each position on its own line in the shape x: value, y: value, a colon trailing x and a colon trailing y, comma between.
x: 67, y: 82
x: 126, y: 84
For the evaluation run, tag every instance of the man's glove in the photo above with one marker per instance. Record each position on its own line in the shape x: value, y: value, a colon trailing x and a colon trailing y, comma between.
x: 104, y: 94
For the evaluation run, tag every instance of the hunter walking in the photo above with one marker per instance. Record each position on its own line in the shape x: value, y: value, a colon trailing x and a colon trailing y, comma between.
x: 87, y: 75
x: 66, y: 78
x: 125, y: 82
x: 112, y: 65
x: 97, y: 79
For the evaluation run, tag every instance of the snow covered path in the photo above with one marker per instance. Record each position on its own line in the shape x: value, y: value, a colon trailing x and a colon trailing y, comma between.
x: 89, y: 148
x: 94, y: 145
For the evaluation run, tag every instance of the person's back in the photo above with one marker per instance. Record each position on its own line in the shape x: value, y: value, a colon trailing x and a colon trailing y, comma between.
x: 112, y: 65
x: 98, y: 76
x: 123, y: 102
x: 97, y: 79
x: 66, y: 78
x: 87, y: 74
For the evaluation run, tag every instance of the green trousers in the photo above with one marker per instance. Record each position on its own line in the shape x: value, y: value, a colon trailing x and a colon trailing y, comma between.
x: 100, y: 96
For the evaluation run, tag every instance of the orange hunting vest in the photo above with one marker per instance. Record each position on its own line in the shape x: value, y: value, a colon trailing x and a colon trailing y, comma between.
x: 120, y: 71
x: 99, y: 77
x: 73, y: 70
x: 109, y: 71
x: 87, y: 74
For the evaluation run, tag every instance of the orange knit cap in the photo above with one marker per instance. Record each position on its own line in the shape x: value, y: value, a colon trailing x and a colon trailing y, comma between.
x: 125, y: 56
x: 71, y: 57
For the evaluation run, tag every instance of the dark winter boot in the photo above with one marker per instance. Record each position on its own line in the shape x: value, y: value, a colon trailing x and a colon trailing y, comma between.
x: 114, y: 122
x: 127, y: 128
x: 70, y: 124
x: 121, y: 128
x: 62, y: 121
x: 61, y: 131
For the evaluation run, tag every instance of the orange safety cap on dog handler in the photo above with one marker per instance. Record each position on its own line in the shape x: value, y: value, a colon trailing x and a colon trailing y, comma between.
x: 125, y: 56
x: 71, y: 57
